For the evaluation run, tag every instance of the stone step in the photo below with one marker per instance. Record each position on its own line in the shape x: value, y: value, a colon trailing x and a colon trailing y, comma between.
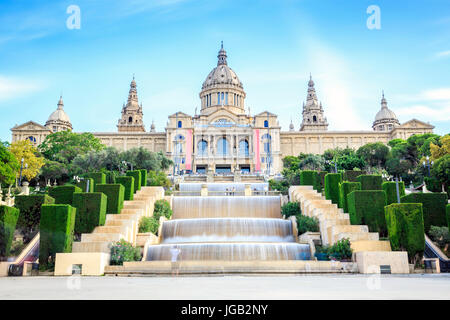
x: 98, y: 246
x: 333, y: 231
x: 101, y: 237
x: 108, y: 229
x: 358, y: 236
x: 324, y: 224
x: 370, y: 245
x: 114, y: 217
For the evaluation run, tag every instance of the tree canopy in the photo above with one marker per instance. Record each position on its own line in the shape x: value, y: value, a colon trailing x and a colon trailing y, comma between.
x: 33, y: 162
x: 9, y: 166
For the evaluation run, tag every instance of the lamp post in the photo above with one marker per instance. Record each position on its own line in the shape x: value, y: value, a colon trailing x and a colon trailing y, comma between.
x: 428, y: 164
x: 78, y: 179
x: 397, y: 190
x: 335, y: 164
x: 20, y: 174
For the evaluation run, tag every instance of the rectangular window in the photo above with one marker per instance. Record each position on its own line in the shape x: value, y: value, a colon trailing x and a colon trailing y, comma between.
x: 218, y: 98
x: 226, y: 98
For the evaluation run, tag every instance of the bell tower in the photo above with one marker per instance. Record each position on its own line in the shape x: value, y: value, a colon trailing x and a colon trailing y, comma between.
x: 313, y: 114
x: 131, y: 120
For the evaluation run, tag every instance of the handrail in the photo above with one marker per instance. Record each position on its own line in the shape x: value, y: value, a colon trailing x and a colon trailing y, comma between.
x: 432, y: 251
x: 31, y: 251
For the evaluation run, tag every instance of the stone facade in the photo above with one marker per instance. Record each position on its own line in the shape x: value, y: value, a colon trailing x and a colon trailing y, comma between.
x: 226, y: 137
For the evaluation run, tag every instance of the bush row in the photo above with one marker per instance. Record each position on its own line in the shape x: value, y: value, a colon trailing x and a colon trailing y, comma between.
x: 8, y: 221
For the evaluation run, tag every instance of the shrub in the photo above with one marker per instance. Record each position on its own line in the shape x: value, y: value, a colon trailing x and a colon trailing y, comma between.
x: 282, y: 186
x: 344, y: 189
x: 433, y: 184
x: 367, y: 207
x: 447, y: 209
x: 390, y: 189
x: 370, y: 181
x: 351, y: 175
x: 128, y: 184
x: 321, y: 176
x: 162, y: 208
x: 305, y: 224
x: 98, y: 177
x: 440, y: 235
x: 122, y: 251
x: 91, y: 211
x: 115, y: 196
x: 157, y: 179
x: 291, y: 209
x: 433, y: 207
x: 83, y: 183
x: 57, y: 231
x: 136, y: 174
x: 148, y: 224
x: 111, y: 176
x: 332, y: 181
x: 8, y: 221
x: 310, y: 178
x: 341, y: 250
x: 143, y: 177
x: 406, y: 228
x: 30, y: 213
x: 64, y: 194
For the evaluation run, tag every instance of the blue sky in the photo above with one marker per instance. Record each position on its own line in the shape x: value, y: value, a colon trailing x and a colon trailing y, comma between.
x: 171, y: 46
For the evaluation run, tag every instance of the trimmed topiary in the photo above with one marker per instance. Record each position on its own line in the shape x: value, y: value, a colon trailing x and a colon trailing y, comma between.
x: 30, y: 213
x: 99, y: 178
x: 370, y: 181
x: 64, y: 194
x: 143, y: 177
x: 447, y: 209
x: 344, y: 189
x: 56, y: 230
x: 351, y: 175
x: 128, y: 183
x: 111, y: 176
x: 8, y: 221
x: 433, y: 207
x: 332, y: 181
x: 406, y: 228
x: 136, y: 174
x: 310, y: 178
x: 321, y: 176
x: 115, y: 194
x: 91, y: 211
x: 83, y: 183
x: 391, y: 191
x: 367, y: 208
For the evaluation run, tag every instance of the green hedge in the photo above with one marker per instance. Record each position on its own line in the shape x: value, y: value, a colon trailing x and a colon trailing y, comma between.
x: 447, y: 209
x: 82, y: 184
x: 321, y: 177
x: 8, y: 221
x: 143, y: 177
x: 110, y: 177
x: 332, y: 181
x: 310, y: 178
x: 99, y: 178
x: 367, y: 208
x: 344, y: 189
x: 91, y: 211
x: 136, y: 174
x: 351, y: 175
x: 391, y: 191
x: 370, y: 181
x: 57, y: 231
x: 30, y: 213
x: 433, y: 207
x: 64, y: 194
x: 406, y: 228
x: 115, y: 194
x: 128, y: 183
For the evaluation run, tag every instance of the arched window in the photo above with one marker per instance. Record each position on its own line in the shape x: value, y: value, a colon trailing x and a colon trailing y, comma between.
x: 202, y: 147
x: 180, y: 124
x: 222, y: 146
x: 178, y: 148
x: 130, y: 119
x: 266, y: 124
x: 32, y: 139
x: 266, y: 137
x: 243, y: 147
x: 314, y: 119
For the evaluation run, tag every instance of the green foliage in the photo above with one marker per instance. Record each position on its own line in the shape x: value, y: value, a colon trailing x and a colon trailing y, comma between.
x: 374, y: 154
x: 433, y: 184
x: 312, y: 162
x: 98, y: 177
x: 345, y: 159
x: 8, y: 221
x: 433, y: 207
x: 123, y: 251
x: 56, y: 230
x: 447, y: 210
x: 305, y: 224
x: 321, y: 177
x: 406, y: 228
x: 115, y: 194
x: 340, y: 250
x: 91, y: 211
x: 440, y: 235
x: 332, y: 181
x: 292, y: 176
x: 83, y: 184
x: 310, y: 178
x: 367, y: 208
x: 344, y: 189
x: 143, y: 177
x: 111, y: 176
x: 162, y: 208
x: 441, y: 170
x: 30, y: 213
x: 291, y: 162
x: 9, y: 166
x: 351, y: 175
x: 282, y: 186
x: 128, y: 183
x: 148, y: 224
x: 158, y: 179
x: 390, y: 189
x: 54, y: 170
x: 370, y: 181
x: 63, y: 194
x: 136, y: 174
x: 291, y: 209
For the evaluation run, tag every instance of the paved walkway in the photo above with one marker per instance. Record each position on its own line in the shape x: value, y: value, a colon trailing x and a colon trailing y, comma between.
x: 429, y: 286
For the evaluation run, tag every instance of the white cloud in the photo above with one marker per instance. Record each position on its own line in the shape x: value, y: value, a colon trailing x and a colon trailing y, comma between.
x: 13, y: 87
x: 443, y: 54
x: 426, y: 112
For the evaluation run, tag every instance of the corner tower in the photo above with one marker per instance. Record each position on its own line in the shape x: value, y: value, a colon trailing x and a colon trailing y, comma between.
x: 131, y: 120
x: 313, y: 114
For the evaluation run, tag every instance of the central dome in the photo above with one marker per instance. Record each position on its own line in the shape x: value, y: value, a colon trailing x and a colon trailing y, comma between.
x: 222, y: 88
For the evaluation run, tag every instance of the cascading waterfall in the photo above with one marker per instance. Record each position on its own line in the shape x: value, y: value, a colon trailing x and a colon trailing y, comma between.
x: 221, y: 189
x: 231, y: 228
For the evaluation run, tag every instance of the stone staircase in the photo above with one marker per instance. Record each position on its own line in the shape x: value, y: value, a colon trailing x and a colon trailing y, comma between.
x: 93, y: 251
x: 335, y: 225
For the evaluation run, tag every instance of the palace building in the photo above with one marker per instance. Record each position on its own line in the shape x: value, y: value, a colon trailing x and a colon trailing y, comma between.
x: 225, y: 136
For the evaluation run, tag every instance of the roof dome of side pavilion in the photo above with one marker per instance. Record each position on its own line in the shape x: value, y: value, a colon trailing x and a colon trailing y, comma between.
x: 222, y: 88
x: 59, y: 120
